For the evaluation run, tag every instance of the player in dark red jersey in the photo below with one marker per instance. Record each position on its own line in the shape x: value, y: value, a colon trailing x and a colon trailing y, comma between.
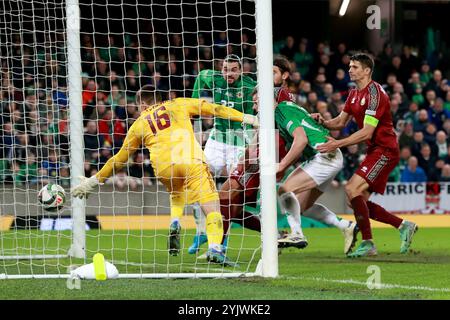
x: 369, y: 105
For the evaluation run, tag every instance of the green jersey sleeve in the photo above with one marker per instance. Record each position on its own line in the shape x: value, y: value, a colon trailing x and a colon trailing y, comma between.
x: 290, y: 118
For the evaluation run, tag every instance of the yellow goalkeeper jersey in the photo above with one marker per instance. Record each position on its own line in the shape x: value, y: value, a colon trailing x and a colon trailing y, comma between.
x: 166, y: 131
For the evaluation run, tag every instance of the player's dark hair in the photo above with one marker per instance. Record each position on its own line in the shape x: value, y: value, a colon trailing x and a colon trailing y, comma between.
x: 233, y: 58
x: 282, y: 63
x: 364, y: 59
x: 148, y: 95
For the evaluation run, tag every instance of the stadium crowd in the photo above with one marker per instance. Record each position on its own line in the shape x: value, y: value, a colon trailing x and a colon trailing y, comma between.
x: 34, y: 129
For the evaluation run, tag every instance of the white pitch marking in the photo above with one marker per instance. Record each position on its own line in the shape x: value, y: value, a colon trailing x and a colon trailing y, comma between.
x: 382, y: 285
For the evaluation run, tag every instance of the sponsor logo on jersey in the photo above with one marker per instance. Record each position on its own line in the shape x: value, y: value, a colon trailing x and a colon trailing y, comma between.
x: 239, y: 95
x: 364, y: 169
x: 353, y: 100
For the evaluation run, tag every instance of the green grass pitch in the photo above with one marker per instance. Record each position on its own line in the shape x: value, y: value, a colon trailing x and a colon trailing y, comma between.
x: 320, y: 271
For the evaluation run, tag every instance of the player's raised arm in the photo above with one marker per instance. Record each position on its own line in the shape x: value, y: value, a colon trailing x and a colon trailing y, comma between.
x: 204, y: 108
x: 130, y: 145
x: 203, y: 80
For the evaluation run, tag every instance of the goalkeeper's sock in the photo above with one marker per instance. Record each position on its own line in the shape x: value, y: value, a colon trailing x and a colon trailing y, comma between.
x: 214, y: 229
x: 176, y: 212
x: 200, y: 219
x: 321, y: 213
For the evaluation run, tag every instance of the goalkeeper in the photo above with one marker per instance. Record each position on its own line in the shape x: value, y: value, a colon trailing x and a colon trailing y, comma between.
x: 177, y: 159
x: 227, y: 141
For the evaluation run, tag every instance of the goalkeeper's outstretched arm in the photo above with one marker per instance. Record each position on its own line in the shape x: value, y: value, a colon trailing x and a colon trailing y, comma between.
x: 204, y: 108
x: 130, y: 145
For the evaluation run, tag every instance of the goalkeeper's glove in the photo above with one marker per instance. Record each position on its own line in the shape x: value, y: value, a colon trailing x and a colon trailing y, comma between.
x: 251, y: 119
x: 85, y: 187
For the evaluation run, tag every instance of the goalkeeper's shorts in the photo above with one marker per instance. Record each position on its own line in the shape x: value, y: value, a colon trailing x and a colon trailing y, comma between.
x: 189, y: 183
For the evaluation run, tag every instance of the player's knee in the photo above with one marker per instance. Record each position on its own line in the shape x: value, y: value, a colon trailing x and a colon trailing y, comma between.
x: 352, y: 191
x: 282, y: 190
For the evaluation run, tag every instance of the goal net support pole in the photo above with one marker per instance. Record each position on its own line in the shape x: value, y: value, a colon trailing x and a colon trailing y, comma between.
x: 269, y: 267
x: 77, y: 249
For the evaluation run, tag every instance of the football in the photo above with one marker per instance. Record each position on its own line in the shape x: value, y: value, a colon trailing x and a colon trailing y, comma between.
x: 52, y: 196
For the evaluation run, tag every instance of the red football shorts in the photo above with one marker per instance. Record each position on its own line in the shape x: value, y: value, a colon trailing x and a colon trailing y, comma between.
x: 377, y: 166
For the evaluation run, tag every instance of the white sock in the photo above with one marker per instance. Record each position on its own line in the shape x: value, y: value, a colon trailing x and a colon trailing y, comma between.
x: 290, y: 205
x: 295, y: 222
x: 200, y: 219
x: 321, y: 213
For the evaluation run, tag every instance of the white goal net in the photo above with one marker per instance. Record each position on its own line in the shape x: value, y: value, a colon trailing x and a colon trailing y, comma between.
x: 124, y: 45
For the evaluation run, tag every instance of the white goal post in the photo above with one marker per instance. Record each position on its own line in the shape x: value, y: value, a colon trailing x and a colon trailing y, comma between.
x: 54, y: 58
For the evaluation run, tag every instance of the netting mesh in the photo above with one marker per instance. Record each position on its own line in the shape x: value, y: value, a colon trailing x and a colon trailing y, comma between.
x: 124, y: 46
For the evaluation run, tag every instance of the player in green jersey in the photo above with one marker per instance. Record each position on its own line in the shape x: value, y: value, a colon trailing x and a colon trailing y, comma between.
x: 307, y: 182
x: 227, y: 140
x: 299, y: 192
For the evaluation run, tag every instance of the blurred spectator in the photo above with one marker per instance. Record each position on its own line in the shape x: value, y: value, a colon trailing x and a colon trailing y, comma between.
x: 417, y: 143
x: 430, y: 138
x: 417, y: 96
x: 52, y: 165
x: 437, y: 114
x: 412, y: 172
x: 351, y: 161
x: 411, y: 114
x: 341, y: 81
x: 435, y: 84
x: 289, y: 48
x: 27, y: 171
x: 303, y: 59
x: 311, y: 103
x: 409, y: 61
x: 425, y: 73
x: 407, y: 136
x: 442, y: 144
x: 384, y: 59
x: 92, y: 141
x: 396, y: 67
x: 426, y: 159
x: 395, y: 174
x: 413, y: 83
x: 445, y: 174
x: 405, y: 154
x: 421, y: 121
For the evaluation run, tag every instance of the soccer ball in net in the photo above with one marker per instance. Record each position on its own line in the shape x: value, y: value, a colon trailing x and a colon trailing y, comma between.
x: 52, y: 197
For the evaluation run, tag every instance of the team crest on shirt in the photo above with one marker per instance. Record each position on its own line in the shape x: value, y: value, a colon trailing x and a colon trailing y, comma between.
x: 239, y: 95
x: 353, y: 100
x: 363, y: 101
